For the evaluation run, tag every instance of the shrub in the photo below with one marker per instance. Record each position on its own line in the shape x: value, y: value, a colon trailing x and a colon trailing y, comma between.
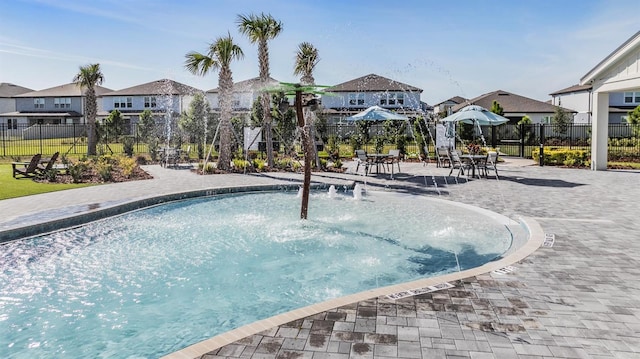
x: 77, y: 170
x: 127, y: 145
x: 241, y: 164
x: 259, y: 164
x: 561, y: 156
x: 104, y: 169
x: 127, y: 165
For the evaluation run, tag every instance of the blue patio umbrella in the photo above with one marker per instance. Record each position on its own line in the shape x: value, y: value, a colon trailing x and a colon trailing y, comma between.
x: 377, y: 113
x: 474, y: 114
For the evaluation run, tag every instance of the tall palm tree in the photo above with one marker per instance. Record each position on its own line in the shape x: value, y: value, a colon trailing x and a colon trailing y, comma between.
x: 219, y: 57
x: 88, y: 78
x: 306, y: 61
x: 260, y: 29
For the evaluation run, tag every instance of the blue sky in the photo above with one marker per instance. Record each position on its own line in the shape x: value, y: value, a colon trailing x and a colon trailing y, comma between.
x: 447, y: 48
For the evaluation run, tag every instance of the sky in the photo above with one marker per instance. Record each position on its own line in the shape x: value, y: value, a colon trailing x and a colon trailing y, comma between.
x: 447, y: 48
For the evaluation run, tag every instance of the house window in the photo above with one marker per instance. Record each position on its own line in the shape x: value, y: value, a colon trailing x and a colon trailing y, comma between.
x: 38, y: 103
x: 122, y: 102
x: 149, y: 101
x: 632, y: 97
x: 236, y: 101
x: 62, y: 102
x: 392, y: 99
x: 624, y: 119
x: 356, y: 99
x: 547, y: 120
x: 12, y: 124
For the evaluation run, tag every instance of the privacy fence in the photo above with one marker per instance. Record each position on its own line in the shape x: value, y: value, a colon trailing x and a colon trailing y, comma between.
x: 510, y: 139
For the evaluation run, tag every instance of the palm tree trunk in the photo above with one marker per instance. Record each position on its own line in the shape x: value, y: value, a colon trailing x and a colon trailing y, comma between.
x: 267, y: 123
x: 225, y: 84
x: 306, y: 145
x: 92, y: 138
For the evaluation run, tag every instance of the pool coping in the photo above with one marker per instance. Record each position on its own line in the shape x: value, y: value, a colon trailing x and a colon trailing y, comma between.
x: 94, y: 212
x: 535, y: 241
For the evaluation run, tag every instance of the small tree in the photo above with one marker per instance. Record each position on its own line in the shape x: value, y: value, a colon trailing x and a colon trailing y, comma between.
x: 147, y: 126
x: 634, y: 120
x: 496, y: 108
x: 561, y: 120
x: 197, y: 122
x: 113, y: 126
x: 523, y: 129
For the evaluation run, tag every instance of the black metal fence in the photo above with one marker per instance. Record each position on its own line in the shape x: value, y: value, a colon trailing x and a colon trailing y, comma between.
x: 513, y: 140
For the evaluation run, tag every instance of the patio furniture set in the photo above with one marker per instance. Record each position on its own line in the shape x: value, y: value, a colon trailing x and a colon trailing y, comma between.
x: 36, y: 167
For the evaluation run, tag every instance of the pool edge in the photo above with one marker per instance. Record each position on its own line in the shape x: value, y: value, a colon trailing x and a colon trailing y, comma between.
x: 535, y: 240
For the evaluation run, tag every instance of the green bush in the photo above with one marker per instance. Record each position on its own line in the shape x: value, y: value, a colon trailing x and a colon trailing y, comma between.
x: 562, y: 157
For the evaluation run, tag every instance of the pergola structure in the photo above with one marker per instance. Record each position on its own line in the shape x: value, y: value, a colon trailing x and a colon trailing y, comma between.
x: 618, y: 72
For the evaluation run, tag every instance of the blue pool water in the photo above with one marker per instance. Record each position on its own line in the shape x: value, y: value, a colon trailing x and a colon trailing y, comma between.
x: 154, y: 281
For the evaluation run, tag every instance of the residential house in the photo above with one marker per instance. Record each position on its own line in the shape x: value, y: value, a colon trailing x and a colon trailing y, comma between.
x: 53, y: 106
x: 515, y: 106
x: 355, y: 95
x: 244, y: 95
x: 443, y: 109
x: 580, y: 99
x: 162, y: 97
x: 8, y: 105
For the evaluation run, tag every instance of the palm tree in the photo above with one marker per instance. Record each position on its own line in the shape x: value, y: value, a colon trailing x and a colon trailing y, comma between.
x: 89, y: 77
x: 259, y: 29
x: 219, y: 57
x: 306, y: 61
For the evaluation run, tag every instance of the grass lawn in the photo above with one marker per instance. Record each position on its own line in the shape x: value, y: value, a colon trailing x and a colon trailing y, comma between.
x: 11, y: 187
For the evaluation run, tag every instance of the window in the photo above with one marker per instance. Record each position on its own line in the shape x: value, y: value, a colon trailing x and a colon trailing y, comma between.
x: 38, y: 103
x: 236, y: 101
x: 624, y: 119
x: 12, y: 124
x: 149, y: 101
x: 392, y: 99
x: 547, y: 120
x: 63, y: 102
x: 632, y: 97
x: 122, y: 102
x: 356, y: 99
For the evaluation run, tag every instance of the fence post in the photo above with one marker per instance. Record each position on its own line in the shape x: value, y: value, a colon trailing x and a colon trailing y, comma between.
x: 522, y: 137
x: 541, y: 155
x: 4, y: 144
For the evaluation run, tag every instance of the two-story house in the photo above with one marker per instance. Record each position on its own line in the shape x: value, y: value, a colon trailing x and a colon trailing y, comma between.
x: 580, y: 99
x: 162, y: 97
x: 443, y: 109
x: 57, y: 105
x: 8, y: 92
x: 244, y: 95
x: 353, y: 96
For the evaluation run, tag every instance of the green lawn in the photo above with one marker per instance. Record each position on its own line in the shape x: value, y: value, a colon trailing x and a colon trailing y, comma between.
x: 11, y: 187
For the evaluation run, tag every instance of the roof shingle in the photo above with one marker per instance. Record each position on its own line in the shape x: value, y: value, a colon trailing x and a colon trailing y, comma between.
x: 372, y: 83
x: 511, y: 103
x: 68, y: 90
x: 159, y: 87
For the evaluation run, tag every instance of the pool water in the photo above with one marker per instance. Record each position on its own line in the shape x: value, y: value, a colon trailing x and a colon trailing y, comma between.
x: 153, y: 281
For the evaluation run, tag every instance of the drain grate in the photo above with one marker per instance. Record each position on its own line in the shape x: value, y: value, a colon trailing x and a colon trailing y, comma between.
x: 423, y: 290
x: 505, y: 270
x: 549, y: 239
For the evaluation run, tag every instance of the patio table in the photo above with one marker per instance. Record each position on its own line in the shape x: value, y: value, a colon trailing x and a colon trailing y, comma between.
x: 473, y: 160
x: 378, y: 159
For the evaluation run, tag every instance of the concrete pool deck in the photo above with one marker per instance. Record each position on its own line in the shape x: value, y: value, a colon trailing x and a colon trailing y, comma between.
x: 576, y: 299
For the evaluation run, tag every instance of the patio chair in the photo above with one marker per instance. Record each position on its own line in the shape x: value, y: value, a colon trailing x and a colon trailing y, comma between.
x: 394, y: 157
x: 362, y: 159
x: 42, y: 169
x: 457, y: 163
x: 490, y: 164
x: 442, y: 156
x: 426, y: 159
x: 26, y: 169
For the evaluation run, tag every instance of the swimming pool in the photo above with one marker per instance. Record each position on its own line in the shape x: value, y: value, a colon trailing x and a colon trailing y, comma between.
x: 153, y: 281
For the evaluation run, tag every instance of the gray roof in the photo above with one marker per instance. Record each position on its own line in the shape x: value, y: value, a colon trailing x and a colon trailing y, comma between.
x: 574, y: 88
x: 372, y: 83
x: 159, y: 87
x: 455, y: 99
x: 250, y: 85
x: 11, y: 90
x: 42, y: 114
x: 68, y: 90
x: 511, y: 103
